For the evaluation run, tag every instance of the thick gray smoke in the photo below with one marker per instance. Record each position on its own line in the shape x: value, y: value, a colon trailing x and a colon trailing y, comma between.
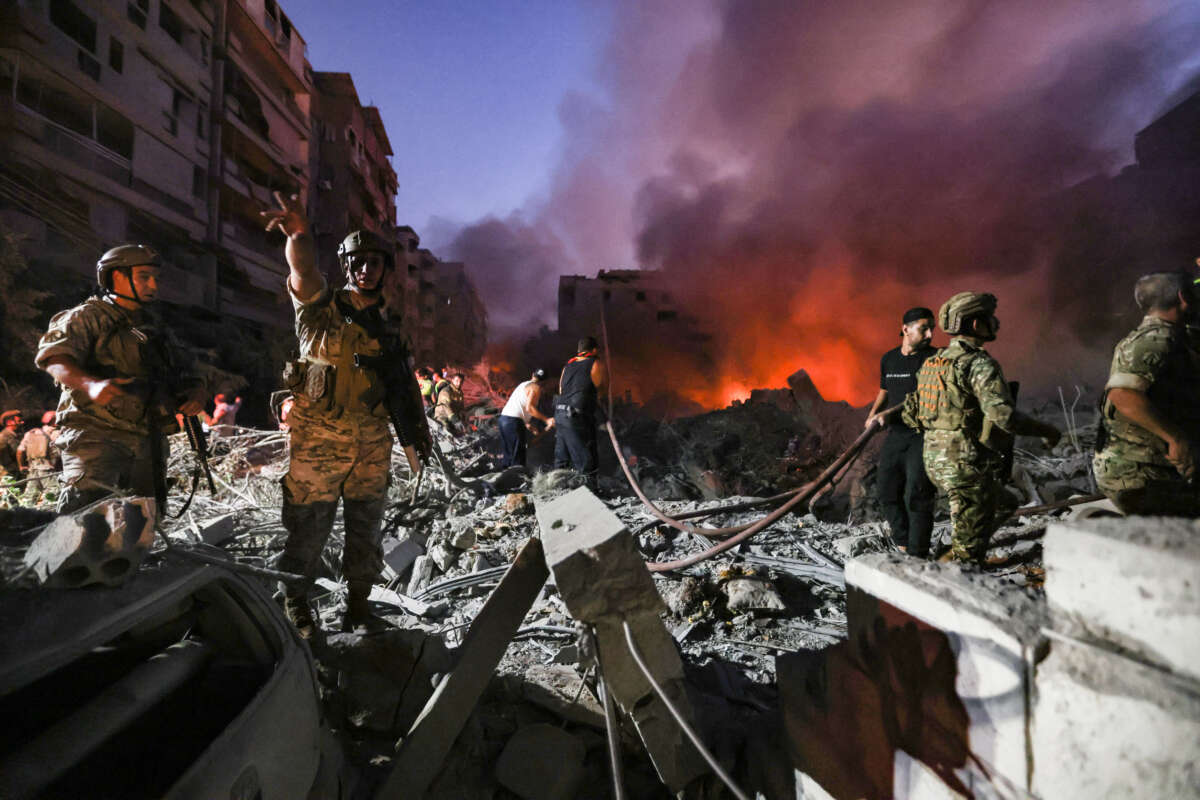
x: 810, y: 169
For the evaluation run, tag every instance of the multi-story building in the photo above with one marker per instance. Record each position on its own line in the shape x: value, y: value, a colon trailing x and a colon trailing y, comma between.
x: 172, y: 123
x: 637, y: 304
x: 459, y: 317
x: 355, y: 182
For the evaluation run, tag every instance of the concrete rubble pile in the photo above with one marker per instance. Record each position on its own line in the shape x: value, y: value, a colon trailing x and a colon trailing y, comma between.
x: 810, y: 643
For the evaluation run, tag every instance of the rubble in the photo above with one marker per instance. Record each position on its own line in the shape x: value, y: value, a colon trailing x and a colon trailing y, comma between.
x: 733, y: 633
x: 103, y: 543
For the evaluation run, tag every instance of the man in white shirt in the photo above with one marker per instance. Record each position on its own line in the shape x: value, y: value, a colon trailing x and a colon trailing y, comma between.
x: 522, y: 406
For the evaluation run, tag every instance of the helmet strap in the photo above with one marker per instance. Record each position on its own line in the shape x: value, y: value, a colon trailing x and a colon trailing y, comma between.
x: 109, y: 291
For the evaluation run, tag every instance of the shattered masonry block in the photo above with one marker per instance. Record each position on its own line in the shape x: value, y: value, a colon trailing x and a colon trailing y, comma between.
x: 989, y: 629
x: 1133, y: 582
x: 554, y: 688
x: 753, y: 594
x: 401, y: 554
x: 1108, y: 727
x: 603, y: 581
x: 217, y: 530
x: 104, y: 544
x: 542, y: 762
x: 596, y: 565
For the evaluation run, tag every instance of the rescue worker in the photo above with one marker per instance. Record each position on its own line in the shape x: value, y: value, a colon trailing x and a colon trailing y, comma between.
x: 224, y: 412
x: 340, y: 441
x: 514, y: 419
x: 425, y: 382
x: 123, y: 376
x: 966, y: 410
x: 583, y: 379
x: 38, y: 458
x: 10, y: 467
x: 1151, y: 408
x: 448, y: 408
x: 906, y: 494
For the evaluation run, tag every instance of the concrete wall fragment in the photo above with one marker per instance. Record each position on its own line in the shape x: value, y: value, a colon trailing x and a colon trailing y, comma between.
x: 604, y: 582
x: 104, y: 544
x: 1134, y: 583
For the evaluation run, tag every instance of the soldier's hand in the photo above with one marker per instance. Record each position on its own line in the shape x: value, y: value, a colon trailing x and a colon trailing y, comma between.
x: 549, y: 423
x: 290, y: 217
x: 873, y: 419
x: 1180, y: 453
x: 106, y: 391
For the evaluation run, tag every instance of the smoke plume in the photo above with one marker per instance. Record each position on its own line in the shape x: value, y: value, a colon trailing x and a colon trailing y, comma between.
x: 806, y: 171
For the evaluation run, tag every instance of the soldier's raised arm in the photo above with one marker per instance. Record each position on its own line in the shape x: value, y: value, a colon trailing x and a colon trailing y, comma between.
x: 305, y: 279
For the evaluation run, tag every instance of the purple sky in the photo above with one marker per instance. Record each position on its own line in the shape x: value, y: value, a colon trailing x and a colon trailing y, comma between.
x: 469, y: 90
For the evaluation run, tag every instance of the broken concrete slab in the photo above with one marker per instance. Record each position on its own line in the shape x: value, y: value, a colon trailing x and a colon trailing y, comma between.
x: 555, y: 688
x: 1107, y: 727
x: 420, y: 754
x: 752, y: 594
x: 385, y: 678
x: 542, y: 762
x: 422, y: 573
x: 400, y: 554
x: 604, y: 582
x: 463, y: 539
x: 217, y: 530
x: 102, y: 545
x: 518, y: 504
x: 1133, y: 582
x: 986, y: 635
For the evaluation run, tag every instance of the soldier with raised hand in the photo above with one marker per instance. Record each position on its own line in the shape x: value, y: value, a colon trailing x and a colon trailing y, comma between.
x: 1146, y: 463
x: 966, y: 409
x: 340, y: 441
x: 123, y: 377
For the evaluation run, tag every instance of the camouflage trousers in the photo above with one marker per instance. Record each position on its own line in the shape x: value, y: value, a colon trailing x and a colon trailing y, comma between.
x: 1145, y: 489
x: 95, y: 462
x: 973, y: 481
x: 347, y: 458
x: 41, y: 485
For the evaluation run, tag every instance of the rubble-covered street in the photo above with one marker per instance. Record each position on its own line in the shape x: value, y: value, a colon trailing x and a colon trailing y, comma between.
x: 781, y: 593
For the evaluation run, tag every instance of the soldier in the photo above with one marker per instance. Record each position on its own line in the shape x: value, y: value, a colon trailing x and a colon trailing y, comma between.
x: 966, y: 410
x: 582, y: 380
x: 122, y: 376
x: 1151, y: 409
x: 340, y: 441
x: 39, y: 460
x: 448, y: 408
x: 10, y: 466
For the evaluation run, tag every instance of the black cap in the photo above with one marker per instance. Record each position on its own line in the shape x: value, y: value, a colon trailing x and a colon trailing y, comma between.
x: 539, y: 373
x: 914, y: 314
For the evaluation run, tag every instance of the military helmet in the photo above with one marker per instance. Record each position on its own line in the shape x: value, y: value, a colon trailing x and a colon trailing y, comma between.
x: 962, y: 307
x: 363, y: 242
x: 124, y: 256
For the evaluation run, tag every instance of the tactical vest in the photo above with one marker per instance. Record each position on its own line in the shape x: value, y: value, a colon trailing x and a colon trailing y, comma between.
x: 329, y: 378
x: 943, y: 397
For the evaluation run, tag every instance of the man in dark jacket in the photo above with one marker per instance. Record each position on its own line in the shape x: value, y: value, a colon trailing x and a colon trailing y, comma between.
x: 583, y: 379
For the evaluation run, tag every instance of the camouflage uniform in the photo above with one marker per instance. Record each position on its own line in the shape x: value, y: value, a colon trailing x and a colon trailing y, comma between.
x: 106, y: 447
x: 10, y: 473
x: 340, y: 441
x: 961, y: 402
x: 40, y: 454
x: 449, y: 407
x: 1157, y: 359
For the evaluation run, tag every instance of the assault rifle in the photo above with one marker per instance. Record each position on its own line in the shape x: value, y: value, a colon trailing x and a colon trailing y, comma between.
x: 403, y: 400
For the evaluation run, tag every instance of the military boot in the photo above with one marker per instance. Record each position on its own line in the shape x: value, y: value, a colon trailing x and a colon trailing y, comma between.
x: 299, y: 614
x: 358, y: 616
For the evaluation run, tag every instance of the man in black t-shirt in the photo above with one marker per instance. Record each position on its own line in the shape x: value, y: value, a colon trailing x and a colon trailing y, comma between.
x: 905, y: 491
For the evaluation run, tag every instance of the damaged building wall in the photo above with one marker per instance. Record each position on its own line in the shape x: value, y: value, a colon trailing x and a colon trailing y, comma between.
x: 958, y: 684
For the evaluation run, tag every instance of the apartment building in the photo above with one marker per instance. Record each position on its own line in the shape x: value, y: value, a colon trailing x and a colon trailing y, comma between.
x: 459, y: 317
x: 637, y: 305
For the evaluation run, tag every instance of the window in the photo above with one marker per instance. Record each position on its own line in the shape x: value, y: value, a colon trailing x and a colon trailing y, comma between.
x: 172, y: 117
x: 199, y: 181
x: 87, y: 65
x: 170, y: 22
x: 137, y: 10
x: 640, y: 295
x: 202, y: 121
x: 205, y: 44
x: 69, y: 19
x: 607, y: 295
x: 116, y: 55
x: 85, y: 117
x: 269, y: 16
x: 667, y: 316
x: 114, y: 131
